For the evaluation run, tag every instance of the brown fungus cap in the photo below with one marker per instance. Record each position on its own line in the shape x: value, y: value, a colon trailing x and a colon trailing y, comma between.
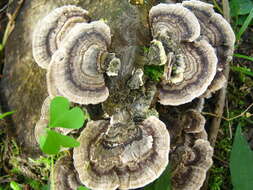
x: 52, y: 29
x: 64, y: 176
x: 190, y: 165
x: 122, y: 155
x: 191, y: 62
x: 218, y: 32
x: 74, y: 67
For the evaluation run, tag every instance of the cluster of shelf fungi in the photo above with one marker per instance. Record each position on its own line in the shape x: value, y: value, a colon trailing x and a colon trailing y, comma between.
x: 132, y: 147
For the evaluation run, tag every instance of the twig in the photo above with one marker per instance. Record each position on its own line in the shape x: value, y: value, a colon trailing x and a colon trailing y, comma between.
x: 11, y: 24
x: 5, y: 7
x: 229, y: 119
x: 215, y: 125
x: 229, y: 123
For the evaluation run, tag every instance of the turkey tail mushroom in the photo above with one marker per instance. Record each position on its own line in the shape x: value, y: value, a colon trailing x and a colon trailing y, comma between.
x: 52, y: 29
x: 191, y: 165
x: 64, y: 176
x: 74, y: 71
x: 191, y: 62
x: 179, y: 22
x: 218, y: 32
x: 122, y: 154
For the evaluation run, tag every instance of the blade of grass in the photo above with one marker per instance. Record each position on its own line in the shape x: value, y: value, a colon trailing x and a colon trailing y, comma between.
x: 245, y: 25
x: 6, y: 114
x: 217, y: 6
x: 243, y: 70
x: 243, y: 56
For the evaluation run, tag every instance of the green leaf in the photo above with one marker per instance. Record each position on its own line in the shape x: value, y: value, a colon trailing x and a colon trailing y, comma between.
x: 82, y: 188
x: 162, y: 183
x: 6, y: 114
x: 245, y: 7
x: 15, y: 186
x: 51, y: 142
x: 61, y: 116
x: 59, y: 105
x: 234, y: 7
x: 240, y: 7
x: 241, y: 160
x: 243, y: 70
x: 245, y: 25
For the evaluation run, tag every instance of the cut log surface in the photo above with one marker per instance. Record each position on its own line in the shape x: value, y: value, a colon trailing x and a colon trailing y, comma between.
x: 23, y: 87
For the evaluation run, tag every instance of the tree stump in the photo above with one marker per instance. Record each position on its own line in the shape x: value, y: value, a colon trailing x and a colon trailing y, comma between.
x: 23, y: 87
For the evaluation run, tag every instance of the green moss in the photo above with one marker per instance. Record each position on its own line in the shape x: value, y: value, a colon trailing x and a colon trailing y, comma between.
x: 154, y: 72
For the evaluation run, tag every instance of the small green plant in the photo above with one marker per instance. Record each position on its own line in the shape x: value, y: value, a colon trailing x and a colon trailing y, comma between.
x: 241, y: 160
x: 61, y: 116
x: 6, y: 114
x: 162, y: 183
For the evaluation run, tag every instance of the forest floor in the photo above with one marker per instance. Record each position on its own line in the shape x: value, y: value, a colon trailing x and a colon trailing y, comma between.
x: 238, y: 107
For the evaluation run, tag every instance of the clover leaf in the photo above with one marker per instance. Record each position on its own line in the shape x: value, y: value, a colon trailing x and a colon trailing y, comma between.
x: 52, y: 142
x: 61, y: 116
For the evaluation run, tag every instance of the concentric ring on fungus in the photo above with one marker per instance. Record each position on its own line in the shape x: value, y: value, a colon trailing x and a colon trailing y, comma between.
x: 74, y: 67
x: 51, y: 30
x: 191, y: 61
x: 121, y: 155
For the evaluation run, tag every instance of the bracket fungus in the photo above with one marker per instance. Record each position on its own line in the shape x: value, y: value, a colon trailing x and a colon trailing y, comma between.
x: 190, y: 164
x: 121, y: 154
x: 75, y: 53
x: 191, y: 61
x: 51, y: 31
x: 218, y: 32
x: 64, y: 176
x: 74, y: 69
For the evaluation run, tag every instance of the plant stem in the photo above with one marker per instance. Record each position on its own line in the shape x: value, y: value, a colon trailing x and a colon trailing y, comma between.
x: 52, y: 173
